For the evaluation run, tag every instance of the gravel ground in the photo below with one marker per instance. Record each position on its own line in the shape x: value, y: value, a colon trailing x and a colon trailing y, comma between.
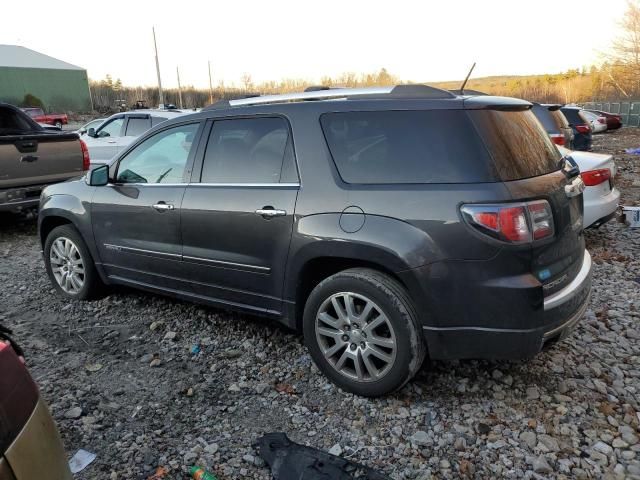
x: 124, y: 379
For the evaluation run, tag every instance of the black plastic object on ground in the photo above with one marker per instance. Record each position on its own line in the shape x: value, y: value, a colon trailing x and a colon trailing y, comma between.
x: 291, y: 461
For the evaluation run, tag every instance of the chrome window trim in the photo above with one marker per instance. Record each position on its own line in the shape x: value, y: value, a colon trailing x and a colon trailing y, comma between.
x: 275, y: 184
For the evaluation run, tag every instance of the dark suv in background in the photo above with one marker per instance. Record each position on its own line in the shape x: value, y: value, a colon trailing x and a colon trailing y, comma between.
x: 385, y: 224
x: 582, y: 134
x: 555, y: 123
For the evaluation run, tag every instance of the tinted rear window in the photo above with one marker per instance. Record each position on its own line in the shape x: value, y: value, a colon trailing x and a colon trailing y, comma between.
x: 438, y: 146
x: 517, y: 142
x: 433, y: 146
x: 559, y: 119
x: 573, y: 116
x: 544, y: 117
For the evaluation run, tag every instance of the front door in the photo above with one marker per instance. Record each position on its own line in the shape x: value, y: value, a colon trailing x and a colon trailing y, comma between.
x: 237, y: 216
x: 136, y: 220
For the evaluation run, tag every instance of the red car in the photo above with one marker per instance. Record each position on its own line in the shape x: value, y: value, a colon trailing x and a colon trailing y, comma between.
x: 57, y: 119
x: 614, y: 121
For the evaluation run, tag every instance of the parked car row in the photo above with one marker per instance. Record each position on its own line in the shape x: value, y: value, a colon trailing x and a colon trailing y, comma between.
x: 370, y: 259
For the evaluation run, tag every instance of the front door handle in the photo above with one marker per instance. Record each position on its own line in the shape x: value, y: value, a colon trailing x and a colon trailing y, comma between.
x: 163, y: 207
x: 270, y: 212
x: 29, y: 158
x: 112, y: 141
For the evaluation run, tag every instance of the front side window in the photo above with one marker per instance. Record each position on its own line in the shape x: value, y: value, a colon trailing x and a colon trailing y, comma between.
x: 246, y: 151
x: 161, y: 158
x: 137, y: 126
x: 112, y: 128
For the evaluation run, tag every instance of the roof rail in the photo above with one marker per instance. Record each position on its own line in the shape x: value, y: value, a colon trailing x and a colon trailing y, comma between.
x: 323, y: 93
x: 314, y: 95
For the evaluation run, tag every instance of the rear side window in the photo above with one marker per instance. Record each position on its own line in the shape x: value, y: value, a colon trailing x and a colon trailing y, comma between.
x: 248, y: 150
x: 517, y: 142
x: 137, y: 126
x: 423, y: 146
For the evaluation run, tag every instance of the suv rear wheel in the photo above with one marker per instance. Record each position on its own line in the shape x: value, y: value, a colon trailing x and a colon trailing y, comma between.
x: 69, y: 264
x: 361, y: 329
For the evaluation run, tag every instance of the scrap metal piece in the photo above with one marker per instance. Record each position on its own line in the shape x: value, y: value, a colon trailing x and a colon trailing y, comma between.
x: 291, y: 461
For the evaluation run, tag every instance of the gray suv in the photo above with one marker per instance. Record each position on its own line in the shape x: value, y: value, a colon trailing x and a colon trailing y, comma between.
x: 385, y: 224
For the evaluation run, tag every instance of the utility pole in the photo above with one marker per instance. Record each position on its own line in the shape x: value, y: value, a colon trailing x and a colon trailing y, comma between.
x: 210, y: 85
x: 179, y: 88
x: 155, y: 46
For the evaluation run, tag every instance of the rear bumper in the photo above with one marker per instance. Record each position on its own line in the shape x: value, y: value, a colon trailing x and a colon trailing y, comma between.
x: 514, y: 326
x: 18, y: 199
x: 598, y: 210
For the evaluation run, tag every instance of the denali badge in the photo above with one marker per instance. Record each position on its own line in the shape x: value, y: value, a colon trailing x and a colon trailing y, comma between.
x: 556, y: 282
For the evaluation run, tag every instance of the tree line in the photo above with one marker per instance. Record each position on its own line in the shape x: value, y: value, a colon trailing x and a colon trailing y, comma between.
x: 617, y: 77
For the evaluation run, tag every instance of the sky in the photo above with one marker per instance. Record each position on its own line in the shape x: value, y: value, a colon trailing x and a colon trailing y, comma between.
x: 421, y: 41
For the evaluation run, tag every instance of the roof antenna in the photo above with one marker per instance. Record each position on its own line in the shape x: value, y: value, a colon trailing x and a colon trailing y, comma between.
x: 464, y: 84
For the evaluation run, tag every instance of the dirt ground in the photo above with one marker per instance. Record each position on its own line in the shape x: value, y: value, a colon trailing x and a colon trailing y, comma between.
x: 145, y: 381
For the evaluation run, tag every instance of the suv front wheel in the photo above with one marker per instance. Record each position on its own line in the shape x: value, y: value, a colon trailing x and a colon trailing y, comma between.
x: 69, y: 264
x: 361, y: 329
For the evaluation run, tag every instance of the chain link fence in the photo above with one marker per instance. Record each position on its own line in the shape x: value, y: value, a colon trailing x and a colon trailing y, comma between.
x: 629, y: 110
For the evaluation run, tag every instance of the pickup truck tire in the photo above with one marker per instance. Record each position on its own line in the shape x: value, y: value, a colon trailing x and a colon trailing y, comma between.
x: 69, y: 264
x: 361, y: 329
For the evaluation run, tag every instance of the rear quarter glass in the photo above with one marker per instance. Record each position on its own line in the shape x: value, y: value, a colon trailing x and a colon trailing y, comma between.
x: 545, y: 118
x: 518, y: 144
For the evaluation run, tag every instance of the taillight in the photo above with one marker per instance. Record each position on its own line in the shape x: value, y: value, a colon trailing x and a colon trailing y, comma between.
x: 595, y: 177
x: 515, y: 223
x: 86, y: 159
x: 557, y: 138
x: 583, y: 128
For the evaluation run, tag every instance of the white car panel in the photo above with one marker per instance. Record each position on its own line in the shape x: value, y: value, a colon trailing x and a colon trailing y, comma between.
x: 600, y: 201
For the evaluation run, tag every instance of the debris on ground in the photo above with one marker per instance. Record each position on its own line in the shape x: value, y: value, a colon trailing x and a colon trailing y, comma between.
x: 199, y: 473
x: 291, y: 461
x: 81, y: 460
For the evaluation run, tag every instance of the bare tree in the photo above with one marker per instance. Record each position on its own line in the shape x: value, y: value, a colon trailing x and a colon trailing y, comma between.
x: 625, y: 55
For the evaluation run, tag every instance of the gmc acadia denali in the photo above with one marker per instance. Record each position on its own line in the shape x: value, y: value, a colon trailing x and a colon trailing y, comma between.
x: 385, y: 224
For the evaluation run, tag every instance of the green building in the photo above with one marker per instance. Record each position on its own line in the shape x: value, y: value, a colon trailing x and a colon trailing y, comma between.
x: 61, y: 86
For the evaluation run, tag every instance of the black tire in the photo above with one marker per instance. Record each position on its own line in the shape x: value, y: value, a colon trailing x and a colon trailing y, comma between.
x: 392, y: 298
x: 92, y: 285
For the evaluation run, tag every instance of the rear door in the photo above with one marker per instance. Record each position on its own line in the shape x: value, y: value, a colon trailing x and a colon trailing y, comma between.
x: 137, y: 124
x: 238, y: 213
x: 531, y: 168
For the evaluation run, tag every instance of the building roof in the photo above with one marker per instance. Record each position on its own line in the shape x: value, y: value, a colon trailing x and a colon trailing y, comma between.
x: 21, y: 57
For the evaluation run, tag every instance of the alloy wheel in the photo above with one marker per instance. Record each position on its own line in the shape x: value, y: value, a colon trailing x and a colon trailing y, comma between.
x: 67, y: 265
x: 356, y: 337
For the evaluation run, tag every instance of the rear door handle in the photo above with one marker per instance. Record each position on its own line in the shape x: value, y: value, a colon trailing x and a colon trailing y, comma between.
x: 163, y: 207
x: 270, y: 212
x: 29, y: 158
x: 112, y: 141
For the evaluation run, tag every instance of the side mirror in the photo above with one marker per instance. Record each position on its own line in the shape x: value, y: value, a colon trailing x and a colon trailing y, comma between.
x: 91, y: 132
x: 99, y: 176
